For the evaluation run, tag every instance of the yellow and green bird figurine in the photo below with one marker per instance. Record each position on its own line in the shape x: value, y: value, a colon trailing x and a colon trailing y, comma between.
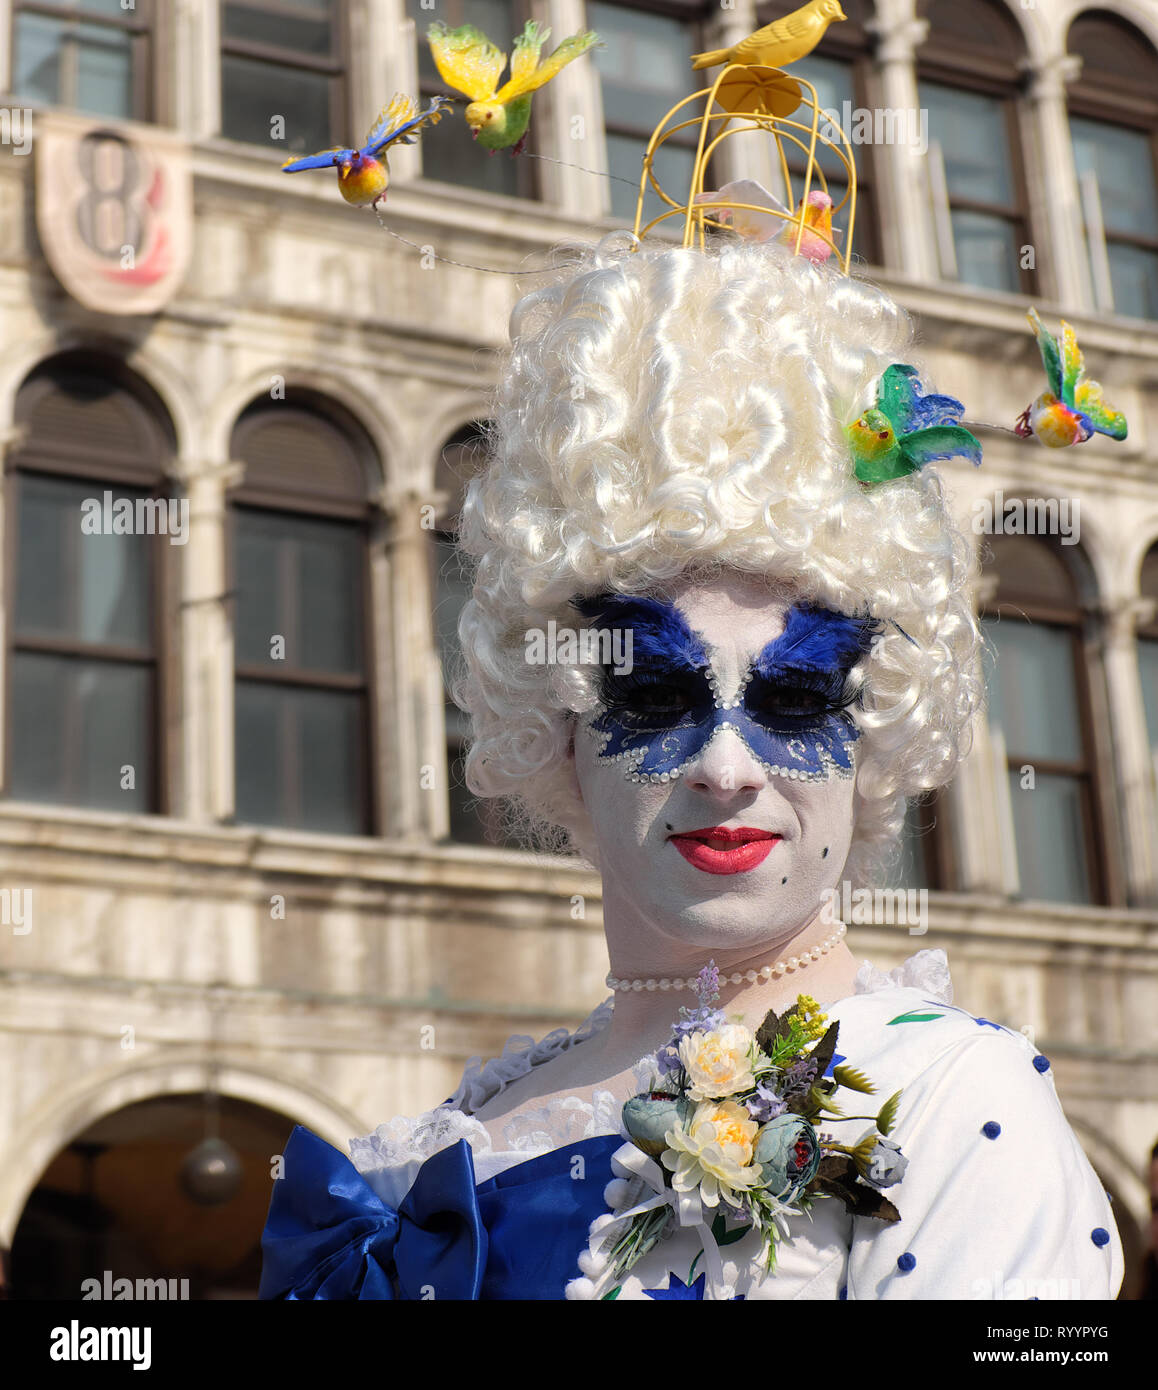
x: 907, y: 429
x: 783, y: 41
x: 1073, y: 409
x: 363, y: 175
x: 470, y: 63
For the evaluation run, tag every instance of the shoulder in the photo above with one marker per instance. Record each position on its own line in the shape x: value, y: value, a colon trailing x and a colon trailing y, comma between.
x: 998, y: 1199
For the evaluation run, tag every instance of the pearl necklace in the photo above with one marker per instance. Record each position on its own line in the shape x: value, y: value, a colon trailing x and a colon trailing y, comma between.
x: 738, y: 976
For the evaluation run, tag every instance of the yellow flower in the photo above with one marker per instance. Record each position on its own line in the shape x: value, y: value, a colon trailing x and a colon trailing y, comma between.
x: 808, y: 1010
x: 718, y: 1063
x: 714, y: 1153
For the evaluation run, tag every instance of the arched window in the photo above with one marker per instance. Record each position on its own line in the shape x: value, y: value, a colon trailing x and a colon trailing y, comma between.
x: 472, y: 821
x: 91, y: 55
x: 969, y: 80
x: 302, y: 642
x: 452, y: 155
x: 1114, y: 124
x: 90, y: 531
x: 838, y: 68
x: 284, y: 59
x: 1039, y: 702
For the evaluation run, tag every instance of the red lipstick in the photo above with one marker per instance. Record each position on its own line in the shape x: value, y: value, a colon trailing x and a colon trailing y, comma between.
x: 723, y: 850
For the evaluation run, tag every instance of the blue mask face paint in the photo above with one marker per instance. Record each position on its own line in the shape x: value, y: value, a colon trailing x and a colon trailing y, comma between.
x: 791, y: 709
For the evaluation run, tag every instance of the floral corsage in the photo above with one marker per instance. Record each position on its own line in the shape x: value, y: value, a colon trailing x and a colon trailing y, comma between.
x: 734, y: 1118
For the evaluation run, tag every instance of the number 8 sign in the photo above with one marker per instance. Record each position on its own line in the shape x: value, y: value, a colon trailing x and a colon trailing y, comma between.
x: 114, y: 211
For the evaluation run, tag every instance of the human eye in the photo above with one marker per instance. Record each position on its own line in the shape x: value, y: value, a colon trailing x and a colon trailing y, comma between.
x: 658, y: 698
x: 797, y: 697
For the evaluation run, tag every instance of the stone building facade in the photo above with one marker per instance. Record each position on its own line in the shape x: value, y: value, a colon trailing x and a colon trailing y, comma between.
x: 162, y: 941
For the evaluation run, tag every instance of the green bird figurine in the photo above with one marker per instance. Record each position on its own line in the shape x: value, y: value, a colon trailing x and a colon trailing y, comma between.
x: 907, y: 429
x: 470, y: 63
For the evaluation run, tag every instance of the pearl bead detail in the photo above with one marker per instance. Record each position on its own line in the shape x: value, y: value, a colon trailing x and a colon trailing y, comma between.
x: 737, y: 977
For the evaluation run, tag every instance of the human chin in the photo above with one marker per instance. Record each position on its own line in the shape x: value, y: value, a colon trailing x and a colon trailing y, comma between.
x: 645, y: 836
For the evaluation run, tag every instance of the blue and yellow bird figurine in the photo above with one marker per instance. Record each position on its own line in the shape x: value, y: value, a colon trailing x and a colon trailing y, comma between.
x: 498, y: 116
x: 364, y: 175
x: 1073, y: 409
x: 907, y: 429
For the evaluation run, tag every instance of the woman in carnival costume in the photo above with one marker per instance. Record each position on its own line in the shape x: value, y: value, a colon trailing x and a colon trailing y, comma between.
x: 671, y: 466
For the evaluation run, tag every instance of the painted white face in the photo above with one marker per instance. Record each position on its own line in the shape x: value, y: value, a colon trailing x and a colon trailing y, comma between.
x: 699, y: 736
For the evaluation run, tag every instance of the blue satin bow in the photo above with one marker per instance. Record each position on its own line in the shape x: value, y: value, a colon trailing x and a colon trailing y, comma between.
x: 516, y: 1236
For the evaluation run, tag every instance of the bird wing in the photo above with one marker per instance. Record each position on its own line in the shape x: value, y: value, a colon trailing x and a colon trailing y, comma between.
x: 897, y: 395
x: 1050, y: 356
x: 532, y: 80
x: 792, y: 26
x: 400, y: 122
x: 941, y: 442
x: 323, y: 160
x: 466, y: 59
x: 1104, y: 418
x: 1071, y: 363
x: 526, y: 50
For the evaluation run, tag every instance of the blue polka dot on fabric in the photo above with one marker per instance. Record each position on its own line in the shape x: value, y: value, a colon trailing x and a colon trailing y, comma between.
x: 991, y: 1129
x: 906, y: 1262
x: 1041, y: 1063
x: 1100, y: 1236
x: 844, y: 1292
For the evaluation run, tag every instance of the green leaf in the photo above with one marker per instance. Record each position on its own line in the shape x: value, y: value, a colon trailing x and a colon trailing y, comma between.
x: 615, y: 1292
x: 888, y: 1115
x: 822, y: 1053
x: 852, y: 1079
x: 723, y: 1235
x: 913, y: 1016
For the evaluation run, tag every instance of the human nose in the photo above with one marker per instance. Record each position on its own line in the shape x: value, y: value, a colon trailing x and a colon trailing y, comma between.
x: 725, y: 766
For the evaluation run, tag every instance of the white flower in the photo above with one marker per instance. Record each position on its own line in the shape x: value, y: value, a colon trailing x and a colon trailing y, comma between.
x: 718, y: 1063
x: 714, y: 1153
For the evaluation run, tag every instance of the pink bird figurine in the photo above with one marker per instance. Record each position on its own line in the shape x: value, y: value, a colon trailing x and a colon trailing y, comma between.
x: 776, y: 223
x: 1073, y: 409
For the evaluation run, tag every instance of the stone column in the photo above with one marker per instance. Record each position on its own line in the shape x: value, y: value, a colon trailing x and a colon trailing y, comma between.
x: 907, y: 239
x: 206, y: 642
x: 192, y: 68
x: 414, y: 778
x: 1063, y: 262
x: 1132, y: 761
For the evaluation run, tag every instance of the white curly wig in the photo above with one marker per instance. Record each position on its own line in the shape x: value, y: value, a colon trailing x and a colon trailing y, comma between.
x: 666, y: 412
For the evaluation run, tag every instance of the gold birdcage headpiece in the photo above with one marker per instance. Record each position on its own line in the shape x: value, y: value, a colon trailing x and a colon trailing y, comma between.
x: 741, y: 100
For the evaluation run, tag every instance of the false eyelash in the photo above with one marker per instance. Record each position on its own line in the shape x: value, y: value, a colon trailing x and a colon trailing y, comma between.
x: 829, y: 686
x: 617, y: 692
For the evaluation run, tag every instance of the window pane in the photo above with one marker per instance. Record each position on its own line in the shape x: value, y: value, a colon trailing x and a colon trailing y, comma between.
x: 1123, y: 162
x: 307, y: 33
x: 912, y: 871
x: 643, y: 70
x: 87, y: 588
x: 1051, y: 842
x: 104, y: 76
x: 301, y: 758
x: 300, y: 579
x: 833, y: 83
x: 974, y: 141
x: 252, y: 93
x: 36, y: 58
x: 1148, y: 670
x: 495, y: 18
x: 987, y: 252
x: 457, y: 159
x: 1033, y: 700
x: 75, y: 725
x: 1134, y: 276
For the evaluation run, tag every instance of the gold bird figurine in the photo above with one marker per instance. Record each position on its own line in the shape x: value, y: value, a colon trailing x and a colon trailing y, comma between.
x: 783, y: 41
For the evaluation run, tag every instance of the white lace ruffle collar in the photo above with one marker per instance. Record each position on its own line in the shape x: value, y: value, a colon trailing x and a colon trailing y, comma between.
x: 390, y: 1157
